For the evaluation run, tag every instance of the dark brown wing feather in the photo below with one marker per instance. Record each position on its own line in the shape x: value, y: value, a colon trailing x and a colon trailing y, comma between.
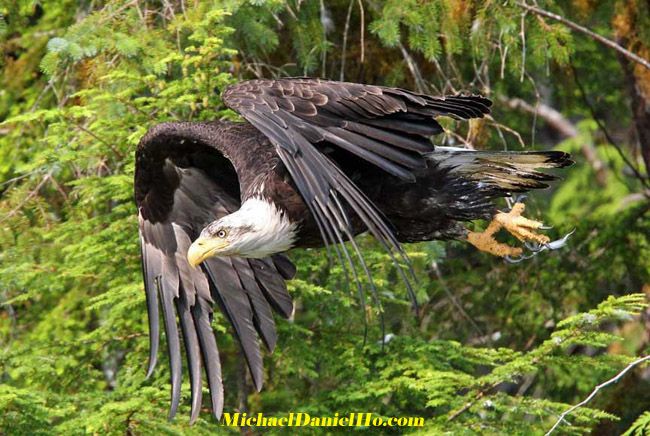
x: 175, y: 201
x: 387, y: 127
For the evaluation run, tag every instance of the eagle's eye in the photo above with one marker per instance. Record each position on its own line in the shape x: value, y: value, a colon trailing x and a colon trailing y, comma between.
x: 221, y: 234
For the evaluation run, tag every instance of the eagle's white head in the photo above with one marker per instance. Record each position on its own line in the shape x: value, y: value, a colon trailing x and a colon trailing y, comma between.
x: 257, y: 229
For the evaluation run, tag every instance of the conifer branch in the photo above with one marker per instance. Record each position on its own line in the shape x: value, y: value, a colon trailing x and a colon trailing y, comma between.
x: 473, y: 401
x: 577, y: 27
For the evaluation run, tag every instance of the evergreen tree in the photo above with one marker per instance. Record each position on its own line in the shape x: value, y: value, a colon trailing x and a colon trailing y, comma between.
x: 495, y: 349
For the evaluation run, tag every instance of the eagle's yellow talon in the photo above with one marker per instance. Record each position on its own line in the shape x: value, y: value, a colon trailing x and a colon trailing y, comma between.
x: 517, y: 209
x: 520, y: 221
x: 518, y: 226
x: 486, y: 242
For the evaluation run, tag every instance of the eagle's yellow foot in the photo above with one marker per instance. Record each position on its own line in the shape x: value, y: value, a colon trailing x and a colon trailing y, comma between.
x: 518, y: 226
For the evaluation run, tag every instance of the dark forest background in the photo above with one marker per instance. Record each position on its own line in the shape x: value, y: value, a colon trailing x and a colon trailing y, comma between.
x: 496, y: 348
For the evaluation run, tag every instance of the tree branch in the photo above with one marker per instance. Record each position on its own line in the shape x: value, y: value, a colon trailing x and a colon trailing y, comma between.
x: 470, y: 403
x: 345, y: 40
x: 593, y: 393
x: 607, y: 42
x: 583, y: 93
x: 362, y: 20
x: 420, y: 84
x: 553, y: 117
x: 453, y: 300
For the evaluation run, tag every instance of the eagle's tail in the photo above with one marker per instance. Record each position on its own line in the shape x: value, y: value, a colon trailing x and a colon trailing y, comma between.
x: 507, y: 171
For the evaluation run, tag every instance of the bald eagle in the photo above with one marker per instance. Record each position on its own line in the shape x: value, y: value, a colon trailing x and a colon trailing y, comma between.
x: 316, y: 163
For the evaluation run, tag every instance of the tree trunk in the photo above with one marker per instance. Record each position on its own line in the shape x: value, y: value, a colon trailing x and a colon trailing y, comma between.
x: 638, y: 86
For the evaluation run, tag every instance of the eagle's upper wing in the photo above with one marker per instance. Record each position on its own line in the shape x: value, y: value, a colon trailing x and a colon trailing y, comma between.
x: 182, y: 183
x: 387, y: 127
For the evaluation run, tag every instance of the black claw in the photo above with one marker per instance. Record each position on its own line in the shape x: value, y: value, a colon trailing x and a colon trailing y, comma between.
x: 512, y: 200
x: 517, y: 259
x: 533, y: 246
x: 520, y: 198
x: 536, y: 248
x: 509, y: 259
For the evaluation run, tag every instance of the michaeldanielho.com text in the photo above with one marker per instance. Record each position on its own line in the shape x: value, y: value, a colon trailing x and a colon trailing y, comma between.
x: 301, y: 419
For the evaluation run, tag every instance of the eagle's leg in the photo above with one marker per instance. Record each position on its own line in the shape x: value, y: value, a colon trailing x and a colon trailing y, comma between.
x: 520, y: 227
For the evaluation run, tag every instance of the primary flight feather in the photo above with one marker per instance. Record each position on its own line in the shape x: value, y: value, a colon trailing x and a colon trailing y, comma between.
x: 316, y: 163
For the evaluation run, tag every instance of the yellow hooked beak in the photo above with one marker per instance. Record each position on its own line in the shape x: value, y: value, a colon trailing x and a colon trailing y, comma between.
x: 203, y: 248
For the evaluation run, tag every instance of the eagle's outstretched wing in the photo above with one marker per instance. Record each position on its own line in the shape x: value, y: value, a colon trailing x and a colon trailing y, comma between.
x: 387, y: 127
x: 183, y: 182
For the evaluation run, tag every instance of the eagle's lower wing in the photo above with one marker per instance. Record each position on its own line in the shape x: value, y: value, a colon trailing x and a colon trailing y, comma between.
x: 387, y: 127
x: 172, y: 212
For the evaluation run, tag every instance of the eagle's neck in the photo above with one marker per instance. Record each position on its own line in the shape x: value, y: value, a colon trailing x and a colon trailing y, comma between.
x: 270, y: 232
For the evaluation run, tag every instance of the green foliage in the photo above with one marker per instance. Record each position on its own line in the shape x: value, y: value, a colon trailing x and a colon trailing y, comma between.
x: 494, y: 349
x: 23, y: 412
x: 640, y: 427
